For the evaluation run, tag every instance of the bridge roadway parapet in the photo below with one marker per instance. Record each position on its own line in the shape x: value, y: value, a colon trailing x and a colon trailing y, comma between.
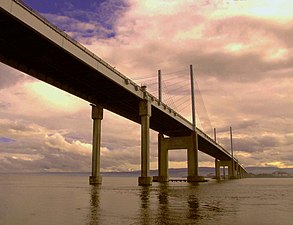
x: 31, y: 44
x: 52, y: 39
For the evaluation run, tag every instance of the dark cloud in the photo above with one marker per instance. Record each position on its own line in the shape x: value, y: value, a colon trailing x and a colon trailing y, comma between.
x: 252, y: 143
x: 86, y: 20
x: 239, y: 125
x: 51, y: 160
x: 6, y: 140
x: 4, y: 105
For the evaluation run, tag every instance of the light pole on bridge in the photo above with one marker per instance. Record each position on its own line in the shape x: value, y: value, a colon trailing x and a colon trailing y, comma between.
x: 192, y: 99
x: 232, y: 152
x: 160, y: 85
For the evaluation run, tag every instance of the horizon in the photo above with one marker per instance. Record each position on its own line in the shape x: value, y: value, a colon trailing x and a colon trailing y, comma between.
x: 261, y: 170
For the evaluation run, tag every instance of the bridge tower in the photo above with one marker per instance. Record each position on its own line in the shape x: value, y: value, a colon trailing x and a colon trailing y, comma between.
x: 181, y: 142
x: 189, y: 142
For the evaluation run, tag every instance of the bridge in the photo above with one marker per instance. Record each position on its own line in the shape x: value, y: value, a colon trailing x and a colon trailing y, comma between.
x: 29, y: 43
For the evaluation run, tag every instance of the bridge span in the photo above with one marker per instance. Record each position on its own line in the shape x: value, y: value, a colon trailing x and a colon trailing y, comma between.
x: 29, y: 43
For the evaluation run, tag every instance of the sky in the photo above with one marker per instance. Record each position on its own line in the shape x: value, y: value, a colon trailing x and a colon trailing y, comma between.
x: 241, y: 52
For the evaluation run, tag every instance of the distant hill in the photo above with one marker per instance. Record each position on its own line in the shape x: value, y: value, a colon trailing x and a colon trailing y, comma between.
x: 203, y: 171
x: 173, y: 172
x: 268, y: 170
x: 182, y: 172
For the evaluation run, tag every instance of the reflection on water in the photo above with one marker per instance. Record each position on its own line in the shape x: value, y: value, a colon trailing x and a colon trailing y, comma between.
x: 171, y: 205
x: 226, y: 202
x: 95, y: 208
x: 70, y: 200
x: 163, y: 201
x: 193, y: 203
x: 145, y: 205
x: 192, y: 207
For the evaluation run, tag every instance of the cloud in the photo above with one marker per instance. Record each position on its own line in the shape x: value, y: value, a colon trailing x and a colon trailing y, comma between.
x: 6, y: 140
x: 85, y: 21
x: 38, y: 148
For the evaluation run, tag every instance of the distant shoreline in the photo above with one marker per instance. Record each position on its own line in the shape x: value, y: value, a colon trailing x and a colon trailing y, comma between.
x: 255, y: 172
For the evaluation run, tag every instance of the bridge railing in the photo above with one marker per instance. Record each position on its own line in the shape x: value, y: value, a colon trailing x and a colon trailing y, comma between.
x: 213, y: 141
x: 154, y: 98
x: 65, y: 35
x: 219, y: 146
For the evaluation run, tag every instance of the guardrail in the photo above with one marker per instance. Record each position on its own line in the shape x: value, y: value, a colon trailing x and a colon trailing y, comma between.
x: 61, y: 32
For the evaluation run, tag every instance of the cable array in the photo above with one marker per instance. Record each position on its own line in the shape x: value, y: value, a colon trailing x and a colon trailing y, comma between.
x: 202, y: 111
x: 176, y: 94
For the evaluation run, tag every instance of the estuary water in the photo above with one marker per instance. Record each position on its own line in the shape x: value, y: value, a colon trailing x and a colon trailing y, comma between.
x: 42, y: 199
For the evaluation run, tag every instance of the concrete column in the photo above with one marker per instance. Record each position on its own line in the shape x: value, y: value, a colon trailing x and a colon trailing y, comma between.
x: 145, y: 114
x: 192, y: 160
x: 228, y: 164
x: 162, y: 159
x: 237, y: 170
x: 217, y: 169
x: 224, y: 172
x: 230, y: 171
x: 241, y: 172
x: 232, y: 168
x: 97, y: 116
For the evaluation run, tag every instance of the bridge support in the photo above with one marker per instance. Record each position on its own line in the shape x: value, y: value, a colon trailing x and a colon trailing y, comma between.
x: 241, y: 173
x: 185, y: 142
x: 162, y: 159
x: 232, y: 172
x: 97, y: 116
x: 217, y: 169
x: 145, y: 114
x: 192, y: 160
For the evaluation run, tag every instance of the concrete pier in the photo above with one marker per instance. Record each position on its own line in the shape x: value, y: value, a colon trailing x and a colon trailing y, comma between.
x: 234, y: 169
x: 182, y: 142
x: 192, y: 160
x: 145, y: 114
x: 97, y: 116
x: 162, y: 159
x: 217, y: 169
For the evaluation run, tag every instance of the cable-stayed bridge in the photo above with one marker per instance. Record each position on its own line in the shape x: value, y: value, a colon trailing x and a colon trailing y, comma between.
x: 31, y: 44
x: 175, y: 92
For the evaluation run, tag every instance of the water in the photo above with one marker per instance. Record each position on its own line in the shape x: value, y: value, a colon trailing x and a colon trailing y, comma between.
x: 68, y: 199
